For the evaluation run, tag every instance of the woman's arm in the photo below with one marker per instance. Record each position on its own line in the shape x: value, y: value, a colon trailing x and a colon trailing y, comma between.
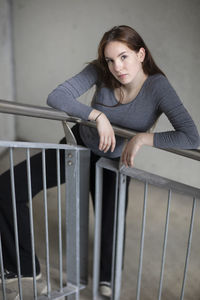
x: 184, y: 135
x: 134, y: 145
x: 64, y: 97
x: 106, y: 133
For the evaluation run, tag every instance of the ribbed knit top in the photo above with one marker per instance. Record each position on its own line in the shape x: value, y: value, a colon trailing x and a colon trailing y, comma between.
x: 156, y: 96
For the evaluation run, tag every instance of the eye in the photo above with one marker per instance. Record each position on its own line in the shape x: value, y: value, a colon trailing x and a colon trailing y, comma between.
x: 123, y: 57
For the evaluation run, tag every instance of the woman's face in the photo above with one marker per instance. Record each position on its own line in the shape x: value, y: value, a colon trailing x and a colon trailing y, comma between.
x: 124, y: 63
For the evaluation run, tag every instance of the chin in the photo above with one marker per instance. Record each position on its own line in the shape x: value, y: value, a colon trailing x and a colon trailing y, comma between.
x: 125, y: 82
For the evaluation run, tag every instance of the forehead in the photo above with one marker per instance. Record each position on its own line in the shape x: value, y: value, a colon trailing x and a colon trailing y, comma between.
x: 114, y: 48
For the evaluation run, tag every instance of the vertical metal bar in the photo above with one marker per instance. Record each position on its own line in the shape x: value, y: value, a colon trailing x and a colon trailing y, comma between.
x: 77, y: 166
x: 84, y: 169
x: 97, y: 231
x: 46, y: 222
x: 31, y: 221
x: 73, y: 220
x: 115, y: 233
x: 120, y: 237
x: 188, y: 247
x: 142, y: 242
x: 164, y: 245
x: 2, y: 271
x: 15, y: 222
x: 59, y: 220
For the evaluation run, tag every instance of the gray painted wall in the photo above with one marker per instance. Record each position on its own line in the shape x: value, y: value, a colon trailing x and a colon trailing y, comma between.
x: 7, y: 131
x: 53, y: 40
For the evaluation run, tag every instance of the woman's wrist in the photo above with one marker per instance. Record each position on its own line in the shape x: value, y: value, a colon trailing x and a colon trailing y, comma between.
x: 145, y: 139
x: 94, y: 115
x: 98, y: 116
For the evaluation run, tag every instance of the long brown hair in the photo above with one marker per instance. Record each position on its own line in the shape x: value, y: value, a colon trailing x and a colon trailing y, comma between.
x: 134, y: 41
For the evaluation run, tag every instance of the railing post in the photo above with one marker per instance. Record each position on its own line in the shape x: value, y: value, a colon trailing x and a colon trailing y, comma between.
x: 97, y: 236
x: 77, y: 197
x: 119, y: 237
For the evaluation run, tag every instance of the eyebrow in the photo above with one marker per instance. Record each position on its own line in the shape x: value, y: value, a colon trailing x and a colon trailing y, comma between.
x: 117, y: 55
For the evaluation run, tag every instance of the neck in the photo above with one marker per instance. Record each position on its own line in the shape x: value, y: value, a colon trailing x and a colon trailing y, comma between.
x: 135, y: 85
x: 131, y: 90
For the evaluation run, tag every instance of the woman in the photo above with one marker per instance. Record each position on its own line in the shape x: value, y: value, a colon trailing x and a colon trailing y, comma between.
x: 132, y: 92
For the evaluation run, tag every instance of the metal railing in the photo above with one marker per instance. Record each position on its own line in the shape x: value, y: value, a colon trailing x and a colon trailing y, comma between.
x: 76, y: 229
x: 121, y: 174
x: 148, y: 179
x: 16, y: 108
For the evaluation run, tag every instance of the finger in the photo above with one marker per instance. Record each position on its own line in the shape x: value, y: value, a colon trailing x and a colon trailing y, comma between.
x: 101, y: 142
x: 108, y: 144
x: 113, y: 143
x: 131, y: 161
x: 123, y: 153
x: 125, y: 159
x: 104, y: 143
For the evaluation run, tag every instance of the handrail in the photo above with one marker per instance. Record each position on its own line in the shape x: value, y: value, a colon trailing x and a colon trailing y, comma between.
x: 22, y: 109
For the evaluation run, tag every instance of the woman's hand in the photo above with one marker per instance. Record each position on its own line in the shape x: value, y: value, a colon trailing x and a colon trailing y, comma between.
x: 133, y: 146
x: 106, y: 133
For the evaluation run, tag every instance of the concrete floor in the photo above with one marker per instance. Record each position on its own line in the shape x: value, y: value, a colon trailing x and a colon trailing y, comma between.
x: 179, y: 222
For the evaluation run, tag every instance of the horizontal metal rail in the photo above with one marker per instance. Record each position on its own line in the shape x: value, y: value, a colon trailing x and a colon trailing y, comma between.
x: 16, y: 108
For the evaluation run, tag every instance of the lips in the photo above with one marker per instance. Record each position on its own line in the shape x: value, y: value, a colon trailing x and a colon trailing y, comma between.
x: 121, y: 76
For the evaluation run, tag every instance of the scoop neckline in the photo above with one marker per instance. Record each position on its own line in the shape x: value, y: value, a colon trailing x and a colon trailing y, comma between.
x: 140, y: 91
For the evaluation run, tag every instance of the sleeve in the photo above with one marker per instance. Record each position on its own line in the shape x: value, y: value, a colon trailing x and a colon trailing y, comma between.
x: 185, y: 134
x: 64, y: 97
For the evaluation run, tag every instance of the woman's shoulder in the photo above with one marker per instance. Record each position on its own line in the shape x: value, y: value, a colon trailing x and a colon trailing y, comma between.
x: 159, y: 83
x: 89, y: 70
x: 157, y: 79
x: 86, y: 77
x: 92, y: 71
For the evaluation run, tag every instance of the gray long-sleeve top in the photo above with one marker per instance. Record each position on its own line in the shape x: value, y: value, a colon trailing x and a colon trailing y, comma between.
x: 156, y: 96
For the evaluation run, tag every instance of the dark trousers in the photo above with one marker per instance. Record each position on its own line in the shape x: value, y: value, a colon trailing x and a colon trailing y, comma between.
x: 6, y: 213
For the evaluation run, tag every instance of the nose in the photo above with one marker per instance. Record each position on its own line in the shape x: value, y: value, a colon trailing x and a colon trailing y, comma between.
x: 117, y: 66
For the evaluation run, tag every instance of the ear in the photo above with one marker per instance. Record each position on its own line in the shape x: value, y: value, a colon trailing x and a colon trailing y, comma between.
x: 141, y: 54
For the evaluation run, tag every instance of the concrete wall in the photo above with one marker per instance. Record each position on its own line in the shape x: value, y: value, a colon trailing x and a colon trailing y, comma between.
x: 53, y: 40
x: 7, y: 131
